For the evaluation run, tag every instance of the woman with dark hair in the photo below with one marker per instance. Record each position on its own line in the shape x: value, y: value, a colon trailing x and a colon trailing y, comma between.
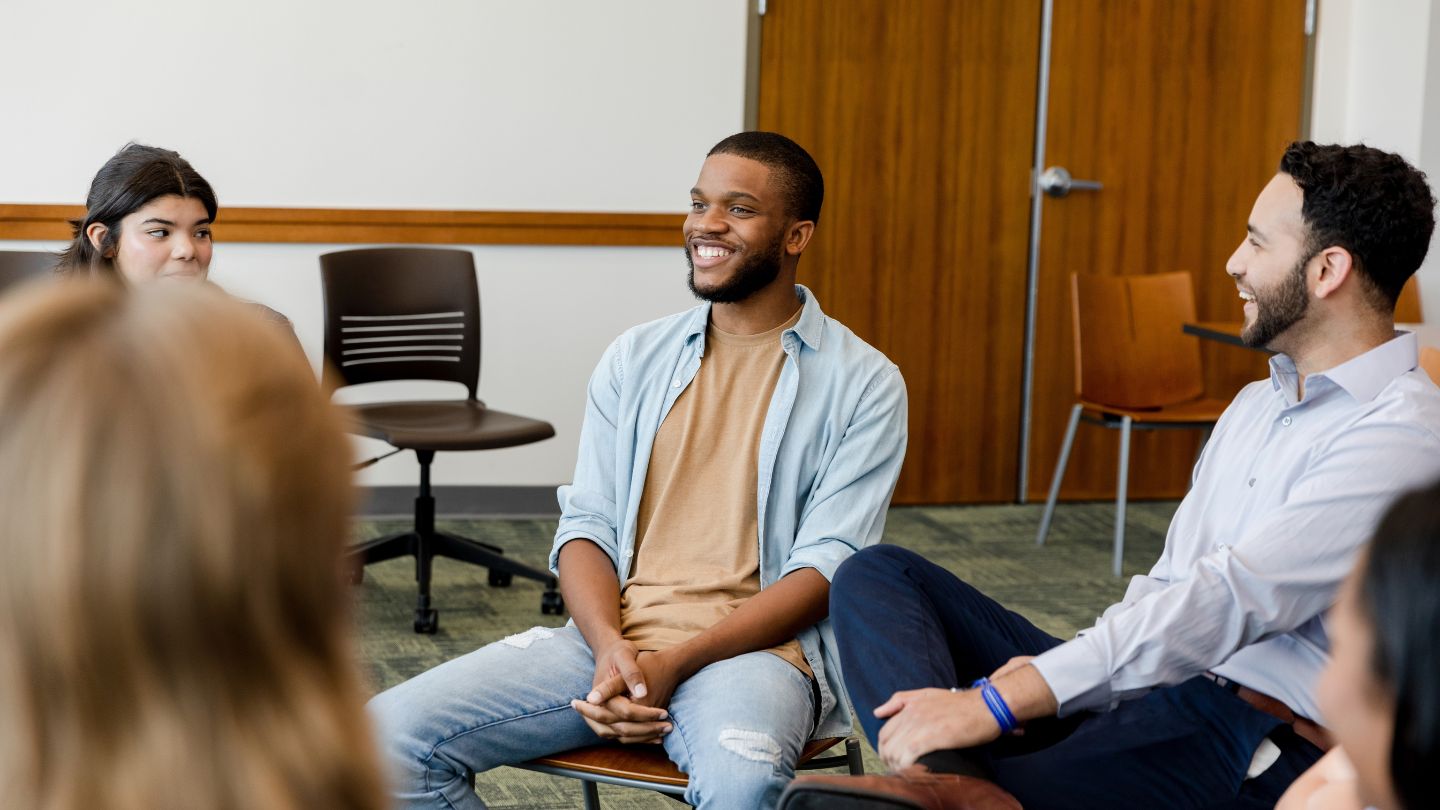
x: 147, y: 218
x: 1380, y: 692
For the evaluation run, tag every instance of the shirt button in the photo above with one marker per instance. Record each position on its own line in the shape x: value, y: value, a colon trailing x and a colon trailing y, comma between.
x: 676, y: 384
x: 1252, y: 482
x: 627, y: 553
x: 1286, y: 421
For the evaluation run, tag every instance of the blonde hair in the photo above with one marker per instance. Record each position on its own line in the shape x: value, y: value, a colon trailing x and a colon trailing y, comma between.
x: 174, y: 498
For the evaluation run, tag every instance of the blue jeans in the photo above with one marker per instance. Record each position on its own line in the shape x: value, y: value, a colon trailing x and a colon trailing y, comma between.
x: 739, y: 724
x: 902, y: 622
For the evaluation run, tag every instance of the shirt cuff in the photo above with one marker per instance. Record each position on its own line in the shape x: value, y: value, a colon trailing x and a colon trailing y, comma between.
x: 1076, y: 675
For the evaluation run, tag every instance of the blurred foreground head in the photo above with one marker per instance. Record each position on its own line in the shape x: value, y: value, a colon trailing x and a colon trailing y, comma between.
x: 174, y: 498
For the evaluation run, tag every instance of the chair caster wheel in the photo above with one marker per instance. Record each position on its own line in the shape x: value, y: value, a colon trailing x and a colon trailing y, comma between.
x: 427, y: 622
x: 551, y: 603
x: 500, y: 579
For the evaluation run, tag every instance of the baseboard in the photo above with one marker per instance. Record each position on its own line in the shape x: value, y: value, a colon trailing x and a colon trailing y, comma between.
x: 463, y: 502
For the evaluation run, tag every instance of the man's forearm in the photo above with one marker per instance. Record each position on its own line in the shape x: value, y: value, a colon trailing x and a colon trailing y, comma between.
x: 771, y: 617
x: 591, y: 591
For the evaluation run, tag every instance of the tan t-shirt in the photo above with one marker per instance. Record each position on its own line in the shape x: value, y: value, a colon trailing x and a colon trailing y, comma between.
x: 697, y: 544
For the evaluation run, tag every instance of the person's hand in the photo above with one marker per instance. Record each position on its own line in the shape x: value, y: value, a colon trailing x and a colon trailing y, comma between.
x: 617, y: 660
x: 1011, y: 665
x: 617, y: 717
x: 660, y: 673
x: 926, y: 720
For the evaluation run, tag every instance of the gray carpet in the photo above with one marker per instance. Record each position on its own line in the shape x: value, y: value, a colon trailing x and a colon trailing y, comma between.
x: 1061, y: 587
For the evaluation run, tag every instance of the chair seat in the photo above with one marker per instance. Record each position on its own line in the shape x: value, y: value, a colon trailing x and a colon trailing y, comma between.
x: 646, y: 763
x: 1195, y: 410
x: 446, y: 425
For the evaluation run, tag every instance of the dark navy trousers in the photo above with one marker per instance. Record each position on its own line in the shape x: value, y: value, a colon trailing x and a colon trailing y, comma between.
x: 902, y: 622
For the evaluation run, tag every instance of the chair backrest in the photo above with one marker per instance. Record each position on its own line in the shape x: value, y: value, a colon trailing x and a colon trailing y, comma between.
x: 1407, y: 309
x: 401, y: 314
x: 1130, y: 351
x: 18, y: 265
x: 1430, y: 362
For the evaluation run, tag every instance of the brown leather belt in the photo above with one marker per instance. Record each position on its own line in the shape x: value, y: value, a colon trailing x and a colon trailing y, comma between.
x: 1307, y: 729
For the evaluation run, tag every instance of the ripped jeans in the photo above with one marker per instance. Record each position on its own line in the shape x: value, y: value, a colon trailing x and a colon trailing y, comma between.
x: 739, y: 724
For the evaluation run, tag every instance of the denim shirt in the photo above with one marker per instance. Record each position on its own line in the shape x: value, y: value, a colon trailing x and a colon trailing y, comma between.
x: 830, y: 453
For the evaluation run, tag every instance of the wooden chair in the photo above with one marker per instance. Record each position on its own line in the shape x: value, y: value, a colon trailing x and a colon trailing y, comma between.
x: 647, y: 766
x: 1134, y: 370
x: 1430, y: 362
x: 1407, y: 309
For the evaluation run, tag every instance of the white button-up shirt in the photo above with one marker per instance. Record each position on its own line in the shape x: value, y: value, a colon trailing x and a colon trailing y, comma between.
x: 1284, y: 495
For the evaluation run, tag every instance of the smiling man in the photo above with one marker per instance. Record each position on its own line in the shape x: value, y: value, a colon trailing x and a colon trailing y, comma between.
x: 732, y: 457
x: 1198, y: 689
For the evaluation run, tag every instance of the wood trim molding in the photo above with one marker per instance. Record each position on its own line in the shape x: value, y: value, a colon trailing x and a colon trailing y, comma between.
x: 357, y: 225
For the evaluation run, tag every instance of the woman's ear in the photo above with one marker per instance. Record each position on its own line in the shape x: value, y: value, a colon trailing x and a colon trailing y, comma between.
x: 96, y: 233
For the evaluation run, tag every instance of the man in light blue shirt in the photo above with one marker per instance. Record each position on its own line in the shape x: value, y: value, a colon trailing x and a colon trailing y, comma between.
x: 699, y: 599
x: 1169, y: 700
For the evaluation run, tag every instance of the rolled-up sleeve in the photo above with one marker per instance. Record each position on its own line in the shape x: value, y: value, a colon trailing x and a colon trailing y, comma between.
x: 846, y: 509
x: 1281, y: 573
x: 587, y: 505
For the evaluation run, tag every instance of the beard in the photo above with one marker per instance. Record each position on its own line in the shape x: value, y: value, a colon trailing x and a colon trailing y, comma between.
x: 1278, y: 309
x: 755, y: 273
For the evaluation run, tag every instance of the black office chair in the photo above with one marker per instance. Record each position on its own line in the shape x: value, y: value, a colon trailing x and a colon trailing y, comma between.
x: 414, y: 314
x: 20, y: 265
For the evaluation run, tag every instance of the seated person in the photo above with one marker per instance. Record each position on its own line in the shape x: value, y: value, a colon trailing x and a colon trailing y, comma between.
x: 731, y: 457
x: 1379, y: 691
x: 147, y: 218
x: 174, y: 629
x: 1204, y: 674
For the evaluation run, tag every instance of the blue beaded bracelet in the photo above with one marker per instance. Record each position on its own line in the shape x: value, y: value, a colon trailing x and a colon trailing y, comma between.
x: 996, y: 704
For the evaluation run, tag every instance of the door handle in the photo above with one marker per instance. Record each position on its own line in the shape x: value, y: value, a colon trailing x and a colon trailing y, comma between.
x: 1057, y: 182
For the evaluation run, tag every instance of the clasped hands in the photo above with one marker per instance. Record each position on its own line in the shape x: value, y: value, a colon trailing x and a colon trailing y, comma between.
x: 630, y: 694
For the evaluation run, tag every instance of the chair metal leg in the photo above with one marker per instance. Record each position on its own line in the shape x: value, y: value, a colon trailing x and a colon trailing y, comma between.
x: 853, y: 757
x: 1059, y: 474
x: 1121, y: 491
x: 592, y: 795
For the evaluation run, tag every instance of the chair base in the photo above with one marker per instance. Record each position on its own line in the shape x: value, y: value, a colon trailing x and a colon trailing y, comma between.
x: 424, y: 543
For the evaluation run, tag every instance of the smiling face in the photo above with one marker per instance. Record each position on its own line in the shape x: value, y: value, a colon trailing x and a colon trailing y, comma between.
x: 1359, y: 711
x: 735, y: 230
x: 167, y: 238
x: 1270, y: 267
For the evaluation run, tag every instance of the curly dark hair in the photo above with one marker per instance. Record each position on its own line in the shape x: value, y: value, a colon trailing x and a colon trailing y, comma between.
x: 796, y: 172
x: 1372, y: 203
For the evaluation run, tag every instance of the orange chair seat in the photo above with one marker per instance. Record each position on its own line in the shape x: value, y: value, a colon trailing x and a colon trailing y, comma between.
x: 1195, y: 410
x: 647, y: 763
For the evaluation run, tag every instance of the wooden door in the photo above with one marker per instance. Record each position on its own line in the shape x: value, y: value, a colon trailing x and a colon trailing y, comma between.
x: 921, y: 113
x: 1181, y: 109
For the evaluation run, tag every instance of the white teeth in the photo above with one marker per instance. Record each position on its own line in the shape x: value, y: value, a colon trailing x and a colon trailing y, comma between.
x: 710, y: 251
x: 1245, y: 296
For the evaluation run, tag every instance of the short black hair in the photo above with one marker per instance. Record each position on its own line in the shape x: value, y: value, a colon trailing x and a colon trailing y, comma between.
x: 1370, y: 202
x: 1398, y: 595
x: 796, y: 173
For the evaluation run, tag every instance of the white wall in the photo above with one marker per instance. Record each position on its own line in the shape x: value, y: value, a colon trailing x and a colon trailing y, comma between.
x: 1377, y: 81
x: 450, y: 104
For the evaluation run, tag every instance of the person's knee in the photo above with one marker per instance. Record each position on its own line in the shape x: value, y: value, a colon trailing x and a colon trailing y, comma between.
x: 399, y: 731
x: 745, y: 769
x: 856, y: 576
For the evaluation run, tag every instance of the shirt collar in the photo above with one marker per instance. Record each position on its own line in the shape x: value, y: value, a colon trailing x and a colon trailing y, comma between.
x: 1363, y: 377
x: 809, y: 328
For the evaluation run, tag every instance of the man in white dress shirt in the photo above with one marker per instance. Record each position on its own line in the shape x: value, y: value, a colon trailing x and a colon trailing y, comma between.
x: 1197, y: 690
